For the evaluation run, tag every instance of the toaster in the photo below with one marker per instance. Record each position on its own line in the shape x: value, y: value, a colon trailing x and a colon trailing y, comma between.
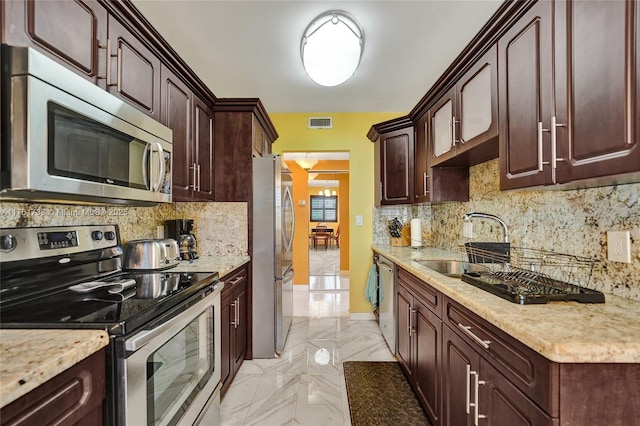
x: 151, y: 254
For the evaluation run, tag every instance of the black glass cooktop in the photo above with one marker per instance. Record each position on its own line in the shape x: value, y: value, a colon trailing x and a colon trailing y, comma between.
x: 120, y: 304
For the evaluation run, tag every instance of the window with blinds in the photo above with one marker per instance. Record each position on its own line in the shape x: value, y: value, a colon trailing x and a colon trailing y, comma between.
x: 324, y: 209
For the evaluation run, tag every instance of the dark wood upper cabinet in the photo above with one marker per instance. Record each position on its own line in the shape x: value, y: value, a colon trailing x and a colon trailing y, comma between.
x: 72, y: 32
x: 597, y: 57
x: 464, y: 121
x: 569, y: 95
x: 525, y: 76
x: 396, y: 155
x: 191, y: 120
x: 133, y: 71
x: 421, y: 161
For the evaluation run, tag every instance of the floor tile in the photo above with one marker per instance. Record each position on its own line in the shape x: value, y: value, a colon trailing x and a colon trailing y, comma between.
x: 305, y: 385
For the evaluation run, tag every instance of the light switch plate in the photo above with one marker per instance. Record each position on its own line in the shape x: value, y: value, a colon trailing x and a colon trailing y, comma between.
x: 359, y: 220
x: 619, y: 246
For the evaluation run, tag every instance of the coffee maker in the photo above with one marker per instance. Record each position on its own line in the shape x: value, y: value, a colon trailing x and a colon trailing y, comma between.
x: 180, y: 230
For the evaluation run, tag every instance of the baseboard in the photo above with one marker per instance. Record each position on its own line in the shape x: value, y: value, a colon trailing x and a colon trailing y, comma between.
x: 301, y: 287
x: 362, y: 316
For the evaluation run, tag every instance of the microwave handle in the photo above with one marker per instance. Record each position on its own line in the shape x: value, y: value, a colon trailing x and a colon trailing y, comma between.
x: 161, y: 170
x: 145, y: 159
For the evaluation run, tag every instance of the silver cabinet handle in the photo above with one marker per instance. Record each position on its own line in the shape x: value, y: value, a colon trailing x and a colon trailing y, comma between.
x: 468, y: 392
x: 476, y: 414
x: 466, y: 329
x: 237, y: 280
x: 193, y: 175
x: 409, y: 319
x: 554, y: 142
x: 453, y: 131
x: 426, y: 188
x: 119, y: 70
x: 541, y: 161
x: 412, y: 328
x: 198, y: 177
x: 237, y: 312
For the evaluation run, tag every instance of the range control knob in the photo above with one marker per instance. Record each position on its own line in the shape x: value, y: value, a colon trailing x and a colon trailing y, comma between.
x: 110, y: 235
x: 8, y: 243
x: 96, y: 235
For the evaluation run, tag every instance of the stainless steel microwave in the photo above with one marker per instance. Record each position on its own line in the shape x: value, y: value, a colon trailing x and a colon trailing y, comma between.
x: 66, y: 140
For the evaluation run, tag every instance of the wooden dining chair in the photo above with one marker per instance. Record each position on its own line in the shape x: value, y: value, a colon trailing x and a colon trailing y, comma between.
x: 336, y: 237
x: 320, y: 235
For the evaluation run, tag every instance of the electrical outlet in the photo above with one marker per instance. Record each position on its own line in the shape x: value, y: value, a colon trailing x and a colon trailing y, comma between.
x: 467, y: 230
x: 619, y: 246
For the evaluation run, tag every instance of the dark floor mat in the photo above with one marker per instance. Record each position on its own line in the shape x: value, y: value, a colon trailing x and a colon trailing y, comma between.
x: 379, y: 394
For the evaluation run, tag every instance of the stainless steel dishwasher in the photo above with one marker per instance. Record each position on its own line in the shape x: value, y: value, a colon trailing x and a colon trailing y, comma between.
x: 387, y: 300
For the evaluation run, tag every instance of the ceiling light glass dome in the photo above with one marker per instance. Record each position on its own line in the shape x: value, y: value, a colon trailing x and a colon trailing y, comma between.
x: 331, y: 48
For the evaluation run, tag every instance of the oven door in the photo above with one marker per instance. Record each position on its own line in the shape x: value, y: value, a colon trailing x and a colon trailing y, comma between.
x: 172, y: 371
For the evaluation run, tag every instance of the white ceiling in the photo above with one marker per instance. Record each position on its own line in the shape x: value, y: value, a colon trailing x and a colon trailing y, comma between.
x: 252, y: 48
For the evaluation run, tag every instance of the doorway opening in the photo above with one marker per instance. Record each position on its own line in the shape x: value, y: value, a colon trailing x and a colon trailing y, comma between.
x: 322, y: 217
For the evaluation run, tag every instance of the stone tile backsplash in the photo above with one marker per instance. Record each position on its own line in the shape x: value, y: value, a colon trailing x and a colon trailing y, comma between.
x: 220, y: 228
x: 573, y: 222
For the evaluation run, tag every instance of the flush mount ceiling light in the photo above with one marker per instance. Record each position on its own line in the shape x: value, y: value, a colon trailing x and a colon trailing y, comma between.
x: 331, y: 48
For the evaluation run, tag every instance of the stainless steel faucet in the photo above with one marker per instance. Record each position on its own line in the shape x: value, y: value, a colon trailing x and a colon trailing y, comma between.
x: 467, y: 217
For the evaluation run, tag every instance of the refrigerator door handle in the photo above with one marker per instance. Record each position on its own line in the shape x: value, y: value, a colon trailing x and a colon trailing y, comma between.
x: 289, y: 274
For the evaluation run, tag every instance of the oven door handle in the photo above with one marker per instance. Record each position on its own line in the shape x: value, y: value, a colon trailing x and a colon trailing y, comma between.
x: 173, y: 325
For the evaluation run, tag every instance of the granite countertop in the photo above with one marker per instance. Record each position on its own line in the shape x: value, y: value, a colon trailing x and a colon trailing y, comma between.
x: 564, y: 332
x: 29, y: 358
x: 221, y: 264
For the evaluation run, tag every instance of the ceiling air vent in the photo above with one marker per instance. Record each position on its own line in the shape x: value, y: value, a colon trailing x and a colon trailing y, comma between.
x: 320, y: 123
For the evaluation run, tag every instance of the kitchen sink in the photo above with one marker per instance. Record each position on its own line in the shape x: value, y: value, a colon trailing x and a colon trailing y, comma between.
x: 450, y: 267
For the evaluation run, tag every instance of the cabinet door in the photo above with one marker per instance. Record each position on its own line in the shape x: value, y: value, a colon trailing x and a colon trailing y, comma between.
x: 421, y: 161
x: 259, y: 140
x: 134, y: 71
x: 176, y: 114
x: 397, y: 167
x: 428, y: 334
x: 403, y: 335
x: 478, y: 103
x: 597, y: 87
x: 203, y: 145
x: 459, y: 362
x: 240, y: 344
x: 443, y: 128
x: 503, y: 404
x: 525, y: 90
x: 70, y: 32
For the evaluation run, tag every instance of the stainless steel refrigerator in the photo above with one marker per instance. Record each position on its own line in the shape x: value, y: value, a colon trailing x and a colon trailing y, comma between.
x: 272, y: 259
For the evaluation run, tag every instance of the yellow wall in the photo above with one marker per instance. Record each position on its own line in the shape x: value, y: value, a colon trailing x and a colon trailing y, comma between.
x: 349, y: 133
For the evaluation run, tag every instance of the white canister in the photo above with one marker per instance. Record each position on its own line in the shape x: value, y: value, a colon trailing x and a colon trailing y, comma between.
x: 416, y: 233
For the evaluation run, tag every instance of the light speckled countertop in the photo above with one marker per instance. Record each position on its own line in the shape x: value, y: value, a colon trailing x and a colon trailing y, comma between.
x: 565, y: 332
x: 29, y: 358
x: 221, y: 264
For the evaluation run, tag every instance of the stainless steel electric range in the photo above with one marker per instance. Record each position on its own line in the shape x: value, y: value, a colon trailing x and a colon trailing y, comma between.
x: 164, y: 327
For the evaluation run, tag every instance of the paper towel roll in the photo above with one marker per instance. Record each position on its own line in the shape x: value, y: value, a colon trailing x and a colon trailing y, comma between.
x: 416, y: 233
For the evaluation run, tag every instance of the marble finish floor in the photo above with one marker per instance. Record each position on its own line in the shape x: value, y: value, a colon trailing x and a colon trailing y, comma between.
x: 305, y: 385
x: 324, y: 262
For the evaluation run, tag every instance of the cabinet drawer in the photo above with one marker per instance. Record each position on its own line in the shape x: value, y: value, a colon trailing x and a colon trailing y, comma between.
x: 431, y: 297
x: 233, y: 280
x: 529, y: 371
x: 75, y: 396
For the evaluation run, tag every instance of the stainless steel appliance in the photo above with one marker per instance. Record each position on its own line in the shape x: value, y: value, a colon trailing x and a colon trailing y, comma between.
x: 65, y: 139
x: 181, y: 231
x: 387, y: 300
x: 272, y: 258
x: 151, y: 254
x: 163, y: 360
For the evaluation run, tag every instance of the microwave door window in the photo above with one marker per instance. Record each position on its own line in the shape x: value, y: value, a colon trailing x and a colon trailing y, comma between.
x: 82, y: 148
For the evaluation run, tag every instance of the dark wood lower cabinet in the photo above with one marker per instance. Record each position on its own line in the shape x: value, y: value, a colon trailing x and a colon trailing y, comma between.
x: 418, y: 336
x: 233, y: 324
x: 73, y: 397
x: 466, y: 371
